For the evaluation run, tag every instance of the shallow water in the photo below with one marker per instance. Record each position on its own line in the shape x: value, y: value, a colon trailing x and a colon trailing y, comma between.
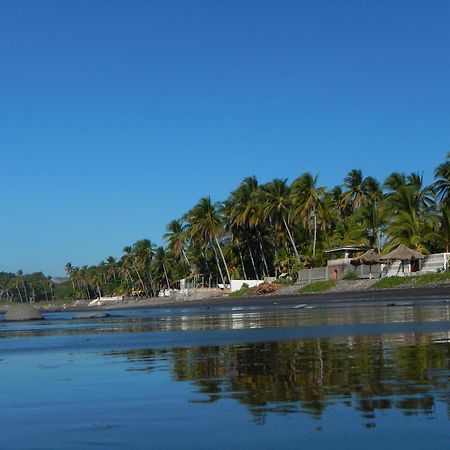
x: 347, y: 375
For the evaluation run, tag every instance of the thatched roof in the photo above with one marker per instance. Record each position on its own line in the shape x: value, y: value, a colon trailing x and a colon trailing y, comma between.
x: 369, y: 258
x: 402, y: 253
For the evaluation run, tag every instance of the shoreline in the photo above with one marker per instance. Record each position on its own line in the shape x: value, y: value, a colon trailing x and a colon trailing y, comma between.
x: 404, y: 294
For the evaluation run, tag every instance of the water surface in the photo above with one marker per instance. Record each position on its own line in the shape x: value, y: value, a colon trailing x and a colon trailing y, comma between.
x: 347, y: 375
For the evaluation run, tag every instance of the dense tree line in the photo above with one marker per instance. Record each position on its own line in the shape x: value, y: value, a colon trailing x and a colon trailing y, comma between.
x: 26, y: 288
x: 279, y: 227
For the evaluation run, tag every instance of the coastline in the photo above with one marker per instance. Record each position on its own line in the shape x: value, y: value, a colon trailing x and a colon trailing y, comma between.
x: 399, y: 294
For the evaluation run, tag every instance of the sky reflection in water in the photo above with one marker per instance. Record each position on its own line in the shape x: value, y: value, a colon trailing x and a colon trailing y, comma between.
x: 208, y: 379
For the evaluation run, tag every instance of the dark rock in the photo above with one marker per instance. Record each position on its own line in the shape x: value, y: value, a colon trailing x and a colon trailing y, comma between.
x: 92, y: 315
x: 22, y: 311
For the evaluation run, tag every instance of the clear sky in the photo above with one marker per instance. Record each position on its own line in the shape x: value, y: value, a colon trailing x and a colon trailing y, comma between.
x: 117, y: 116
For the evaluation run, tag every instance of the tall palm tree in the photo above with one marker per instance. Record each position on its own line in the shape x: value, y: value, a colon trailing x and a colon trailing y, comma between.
x: 243, y: 214
x: 205, y: 224
x: 143, y: 252
x: 277, y: 207
x: 176, y: 237
x: 442, y: 184
x: 161, y: 262
x: 411, y: 230
x: 307, y: 202
x: 111, y: 267
x: 360, y: 189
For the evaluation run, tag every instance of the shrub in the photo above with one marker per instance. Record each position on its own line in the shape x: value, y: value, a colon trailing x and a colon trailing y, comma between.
x: 350, y: 275
x: 318, y: 286
x: 242, y: 292
x: 418, y: 280
x: 391, y: 282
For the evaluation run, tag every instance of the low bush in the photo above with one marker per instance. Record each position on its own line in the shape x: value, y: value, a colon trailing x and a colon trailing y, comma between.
x: 350, y: 275
x: 391, y: 282
x: 242, y: 292
x: 418, y: 280
x: 318, y: 286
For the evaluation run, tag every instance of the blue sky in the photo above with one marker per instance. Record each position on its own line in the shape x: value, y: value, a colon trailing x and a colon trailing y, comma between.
x: 117, y: 116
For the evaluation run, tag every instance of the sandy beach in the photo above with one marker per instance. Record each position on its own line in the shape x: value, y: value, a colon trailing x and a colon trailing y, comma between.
x: 285, y: 296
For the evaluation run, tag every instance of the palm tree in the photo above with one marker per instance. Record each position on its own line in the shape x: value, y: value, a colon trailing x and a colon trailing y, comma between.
x: 277, y: 207
x: 205, y: 225
x: 372, y: 219
x: 161, y: 261
x: 442, y: 184
x: 307, y: 202
x: 143, y: 252
x: 243, y: 214
x: 360, y: 189
x: 176, y: 237
x: 411, y: 230
x: 69, y: 270
x: 21, y: 278
x: 111, y: 267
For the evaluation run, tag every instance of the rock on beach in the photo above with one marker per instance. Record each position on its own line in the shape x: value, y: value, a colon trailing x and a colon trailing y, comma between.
x: 92, y: 315
x: 22, y: 311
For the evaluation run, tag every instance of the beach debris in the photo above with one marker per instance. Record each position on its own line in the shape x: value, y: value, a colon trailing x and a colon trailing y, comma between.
x: 264, y: 289
x: 22, y: 311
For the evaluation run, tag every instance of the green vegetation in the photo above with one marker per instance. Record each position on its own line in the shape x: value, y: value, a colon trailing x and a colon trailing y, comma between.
x: 391, y: 282
x: 318, y: 286
x: 242, y: 292
x: 264, y: 230
x: 350, y: 275
x: 418, y: 280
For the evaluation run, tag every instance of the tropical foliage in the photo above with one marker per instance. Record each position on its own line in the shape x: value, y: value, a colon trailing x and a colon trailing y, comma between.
x: 268, y: 229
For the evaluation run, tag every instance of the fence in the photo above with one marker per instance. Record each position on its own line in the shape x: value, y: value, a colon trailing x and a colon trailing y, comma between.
x: 338, y: 272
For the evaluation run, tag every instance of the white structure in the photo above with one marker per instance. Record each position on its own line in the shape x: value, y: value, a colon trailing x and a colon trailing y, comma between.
x: 102, y: 300
x: 430, y: 264
x: 237, y: 284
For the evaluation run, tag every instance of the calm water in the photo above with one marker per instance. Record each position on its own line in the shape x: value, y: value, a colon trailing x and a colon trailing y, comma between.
x: 336, y: 376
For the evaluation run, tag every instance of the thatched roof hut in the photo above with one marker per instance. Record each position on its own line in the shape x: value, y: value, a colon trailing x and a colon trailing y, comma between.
x: 402, y: 253
x: 369, y: 258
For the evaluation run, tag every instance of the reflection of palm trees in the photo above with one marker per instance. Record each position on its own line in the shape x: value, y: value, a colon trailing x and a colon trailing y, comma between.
x: 306, y: 375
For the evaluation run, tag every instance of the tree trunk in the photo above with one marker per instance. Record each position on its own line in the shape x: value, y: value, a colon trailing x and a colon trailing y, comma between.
x: 51, y: 290
x: 20, y: 294
x: 242, y: 262
x: 140, y: 279
x: 251, y: 258
x: 25, y: 290
x: 315, y: 233
x: 206, y: 261
x: 218, y: 264
x: 98, y: 291
x: 263, y: 256
x: 165, y: 275
x: 292, y: 240
x: 223, y: 259
x: 185, y: 256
